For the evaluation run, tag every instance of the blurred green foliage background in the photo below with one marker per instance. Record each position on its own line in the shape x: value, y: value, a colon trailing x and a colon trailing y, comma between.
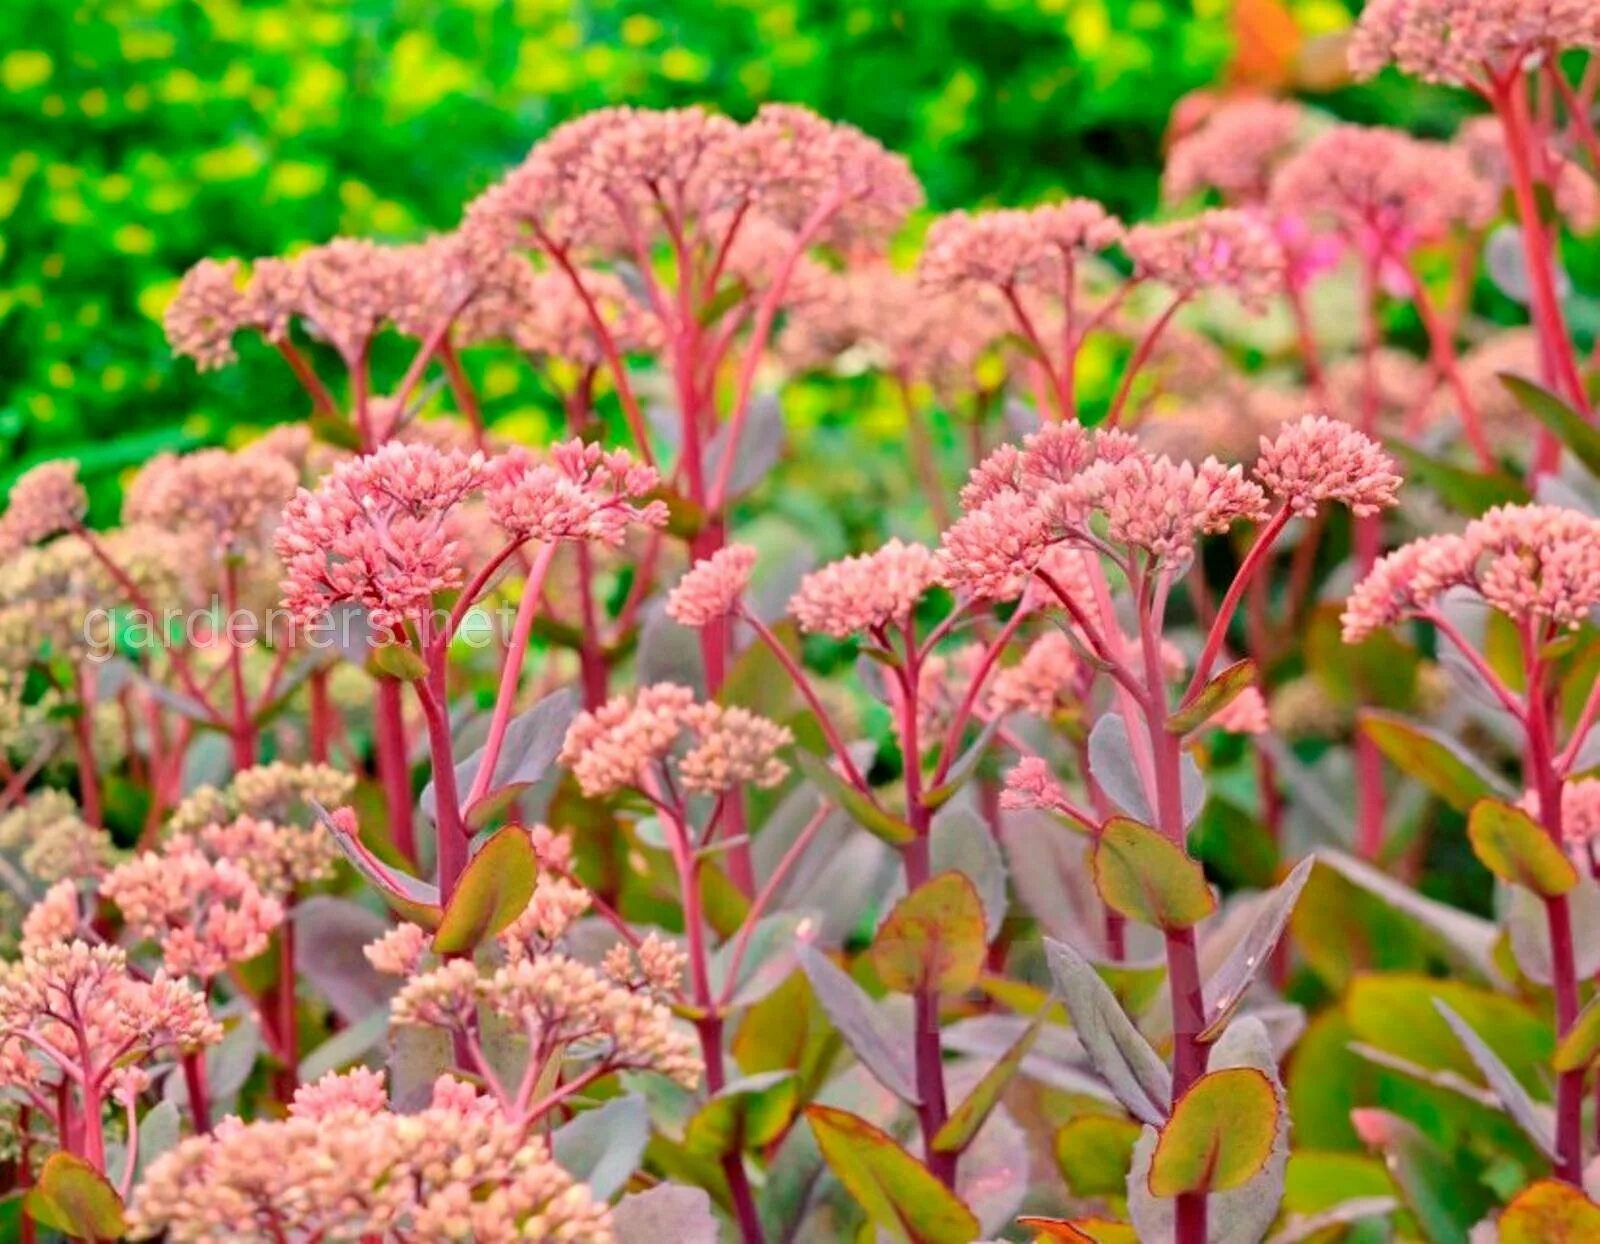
x: 137, y: 136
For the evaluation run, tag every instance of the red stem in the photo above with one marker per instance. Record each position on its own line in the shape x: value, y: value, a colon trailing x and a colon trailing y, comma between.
x: 394, y: 765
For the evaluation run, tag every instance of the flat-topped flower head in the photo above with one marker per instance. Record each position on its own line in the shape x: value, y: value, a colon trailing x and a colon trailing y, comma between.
x: 82, y: 998
x: 1012, y: 247
x: 800, y: 163
x: 710, y: 748
x: 1041, y: 682
x: 1384, y: 190
x: 207, y: 312
x: 45, y: 501
x: 1468, y: 42
x: 344, y: 290
x: 377, y: 533
x: 1159, y: 506
x: 52, y: 840
x: 56, y: 918
x: 712, y: 587
x: 990, y: 552
x: 864, y: 593
x: 1223, y: 249
x: 227, y: 501
x: 1317, y: 459
x: 578, y: 491
x: 1534, y: 563
x: 206, y: 914
x: 341, y: 1167
x: 1235, y: 152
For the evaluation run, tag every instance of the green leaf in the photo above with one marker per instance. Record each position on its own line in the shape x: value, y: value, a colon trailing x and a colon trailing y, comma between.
x: 493, y: 890
x: 1467, y: 492
x: 1581, y: 1046
x: 1219, y: 1136
x: 969, y: 1116
x: 857, y: 804
x: 1149, y: 878
x: 1549, y: 1212
x: 1212, y: 698
x: 965, y: 766
x: 1571, y: 428
x: 1435, y: 761
x: 1094, y: 1152
x: 75, y: 1199
x: 332, y: 430
x: 745, y: 1114
x: 1515, y: 848
x: 933, y: 938
x: 398, y: 661
x: 899, y: 1194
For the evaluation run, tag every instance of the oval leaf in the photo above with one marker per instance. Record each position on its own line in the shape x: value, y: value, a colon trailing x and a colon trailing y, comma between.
x: 899, y: 1193
x: 493, y: 890
x: 75, y: 1199
x: 1550, y: 1213
x: 1220, y: 1134
x: 933, y: 939
x: 1516, y: 848
x: 1149, y: 878
x: 1080, y: 1230
x: 1094, y: 1152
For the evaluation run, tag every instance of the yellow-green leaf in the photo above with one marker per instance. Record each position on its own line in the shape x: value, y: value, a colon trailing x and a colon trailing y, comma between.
x: 1149, y: 878
x: 746, y: 1114
x: 75, y: 1199
x: 933, y: 939
x: 969, y: 1116
x: 1212, y: 698
x: 899, y: 1194
x: 857, y: 804
x: 1220, y: 1134
x: 493, y: 890
x: 1549, y: 1212
x: 1516, y: 848
x: 1433, y: 760
x: 398, y: 661
x: 1094, y: 1152
x: 1581, y: 1045
x: 1080, y: 1230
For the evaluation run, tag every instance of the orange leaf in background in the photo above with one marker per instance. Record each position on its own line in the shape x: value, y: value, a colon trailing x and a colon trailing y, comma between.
x: 1266, y: 44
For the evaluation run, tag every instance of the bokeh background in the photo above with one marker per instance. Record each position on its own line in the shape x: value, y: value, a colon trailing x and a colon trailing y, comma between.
x: 137, y: 136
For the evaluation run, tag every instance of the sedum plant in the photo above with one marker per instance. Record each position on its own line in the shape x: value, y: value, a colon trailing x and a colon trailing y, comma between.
x: 1158, y: 822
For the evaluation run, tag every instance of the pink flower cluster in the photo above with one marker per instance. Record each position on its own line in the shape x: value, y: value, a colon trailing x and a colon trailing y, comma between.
x: 229, y: 503
x: 1467, y: 42
x: 865, y: 593
x: 343, y: 1166
x: 74, y: 997
x: 206, y: 914
x: 712, y: 587
x: 615, y: 746
x: 1014, y: 247
x: 577, y: 491
x: 609, y: 180
x: 1221, y: 249
x: 1534, y: 563
x: 45, y: 501
x: 1235, y: 152
x: 1317, y: 460
x: 378, y: 532
x: 1384, y: 190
